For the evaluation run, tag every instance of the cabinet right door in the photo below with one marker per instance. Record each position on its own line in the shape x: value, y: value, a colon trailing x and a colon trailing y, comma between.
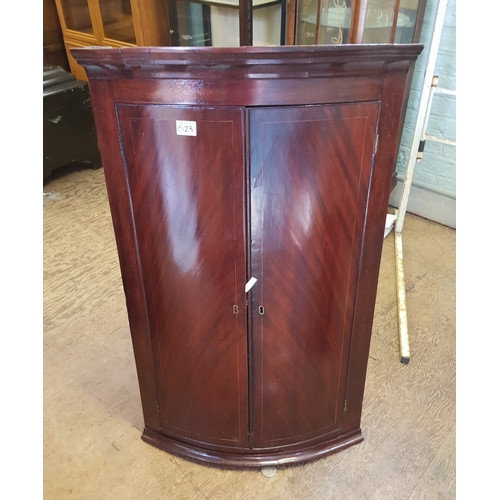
x: 310, y: 171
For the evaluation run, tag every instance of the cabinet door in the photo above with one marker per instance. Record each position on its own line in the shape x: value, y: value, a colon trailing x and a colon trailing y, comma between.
x: 309, y: 182
x: 117, y: 21
x: 75, y: 15
x: 185, y: 173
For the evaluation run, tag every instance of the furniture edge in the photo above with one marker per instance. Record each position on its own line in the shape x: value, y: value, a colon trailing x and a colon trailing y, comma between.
x: 252, y: 458
x: 245, y: 62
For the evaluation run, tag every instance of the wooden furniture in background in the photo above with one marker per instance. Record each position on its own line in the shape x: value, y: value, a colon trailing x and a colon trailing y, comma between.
x: 113, y: 23
x: 224, y: 23
x: 69, y: 133
x: 224, y: 165
x: 54, y: 52
x: 333, y: 22
x: 221, y: 23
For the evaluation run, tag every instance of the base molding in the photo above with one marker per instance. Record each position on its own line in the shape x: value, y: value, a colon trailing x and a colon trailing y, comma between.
x: 427, y: 202
x: 250, y: 459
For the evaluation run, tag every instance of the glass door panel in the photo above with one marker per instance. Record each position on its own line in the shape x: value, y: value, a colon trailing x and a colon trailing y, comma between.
x: 379, y: 21
x: 193, y: 24
x: 77, y: 16
x: 390, y: 21
x: 324, y: 22
x: 117, y: 20
x: 307, y: 17
x: 407, y: 21
x: 335, y: 21
x: 225, y: 22
x: 217, y: 22
x: 204, y: 23
x: 267, y: 22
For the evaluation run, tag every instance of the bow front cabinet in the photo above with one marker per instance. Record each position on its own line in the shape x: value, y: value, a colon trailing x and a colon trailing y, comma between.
x: 248, y: 189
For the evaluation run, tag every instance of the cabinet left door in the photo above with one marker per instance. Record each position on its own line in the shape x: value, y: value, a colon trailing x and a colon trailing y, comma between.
x: 185, y: 172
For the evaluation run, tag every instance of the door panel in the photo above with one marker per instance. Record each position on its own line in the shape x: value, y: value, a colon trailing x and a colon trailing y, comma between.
x: 309, y: 177
x: 187, y: 198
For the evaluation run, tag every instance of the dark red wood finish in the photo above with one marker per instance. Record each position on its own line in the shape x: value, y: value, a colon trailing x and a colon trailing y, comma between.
x: 187, y: 201
x: 310, y: 171
x: 284, y: 181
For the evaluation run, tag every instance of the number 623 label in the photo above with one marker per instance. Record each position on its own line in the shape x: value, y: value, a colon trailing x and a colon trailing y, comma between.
x: 185, y: 127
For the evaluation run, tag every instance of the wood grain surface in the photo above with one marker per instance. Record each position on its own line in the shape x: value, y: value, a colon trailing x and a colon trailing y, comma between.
x: 292, y: 195
x: 309, y: 179
x: 92, y: 419
x: 187, y: 199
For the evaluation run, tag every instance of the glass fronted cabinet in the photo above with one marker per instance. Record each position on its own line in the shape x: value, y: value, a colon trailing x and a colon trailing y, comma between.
x: 232, y: 23
x: 227, y: 23
x: 75, y: 16
x: 117, y: 21
x: 112, y: 23
x: 218, y: 23
x: 332, y: 22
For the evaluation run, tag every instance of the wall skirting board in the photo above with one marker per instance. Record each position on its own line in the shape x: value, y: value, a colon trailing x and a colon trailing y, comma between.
x: 428, y: 202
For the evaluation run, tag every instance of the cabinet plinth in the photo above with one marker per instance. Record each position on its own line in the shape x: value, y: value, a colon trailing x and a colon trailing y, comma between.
x: 224, y: 165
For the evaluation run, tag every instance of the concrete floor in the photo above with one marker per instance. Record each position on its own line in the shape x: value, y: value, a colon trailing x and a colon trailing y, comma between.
x: 92, y: 412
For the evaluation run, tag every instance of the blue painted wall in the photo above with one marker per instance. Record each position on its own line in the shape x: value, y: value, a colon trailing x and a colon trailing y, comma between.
x: 437, y: 169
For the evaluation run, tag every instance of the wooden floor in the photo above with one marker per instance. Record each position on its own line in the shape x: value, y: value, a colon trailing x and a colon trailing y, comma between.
x: 92, y: 411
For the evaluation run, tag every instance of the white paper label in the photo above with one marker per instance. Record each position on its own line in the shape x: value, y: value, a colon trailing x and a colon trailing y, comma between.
x: 250, y: 284
x: 185, y: 128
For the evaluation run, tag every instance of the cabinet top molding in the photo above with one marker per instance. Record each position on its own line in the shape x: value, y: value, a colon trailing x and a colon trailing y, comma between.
x: 246, y: 62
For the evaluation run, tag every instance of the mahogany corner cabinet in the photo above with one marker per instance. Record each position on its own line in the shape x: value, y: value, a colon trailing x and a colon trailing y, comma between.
x: 248, y: 190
